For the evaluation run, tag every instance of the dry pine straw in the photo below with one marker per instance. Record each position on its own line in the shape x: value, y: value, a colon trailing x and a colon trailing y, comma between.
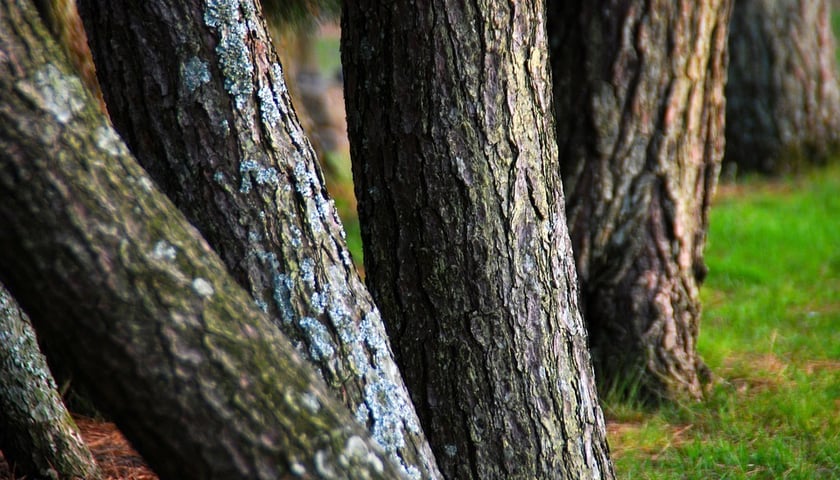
x: 115, y: 456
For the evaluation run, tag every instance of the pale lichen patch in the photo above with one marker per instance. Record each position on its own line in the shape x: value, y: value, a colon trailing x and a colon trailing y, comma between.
x: 163, y: 250
x: 310, y: 401
x: 56, y: 92
x: 145, y: 183
x: 269, y: 109
x: 357, y: 452
x: 307, y: 272
x: 297, y: 469
x: 195, y: 72
x: 323, y: 465
x: 321, y: 346
x: 251, y: 169
x: 232, y: 49
x: 450, y: 450
x: 108, y: 141
x: 202, y: 287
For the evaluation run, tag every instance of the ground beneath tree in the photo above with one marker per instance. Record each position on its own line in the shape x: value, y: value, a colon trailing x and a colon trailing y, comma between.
x: 115, y: 456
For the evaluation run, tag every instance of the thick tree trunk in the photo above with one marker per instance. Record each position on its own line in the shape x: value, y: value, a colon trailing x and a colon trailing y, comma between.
x: 195, y: 375
x: 639, y: 98
x: 783, y: 102
x: 204, y: 107
x: 466, y: 247
x: 37, y: 435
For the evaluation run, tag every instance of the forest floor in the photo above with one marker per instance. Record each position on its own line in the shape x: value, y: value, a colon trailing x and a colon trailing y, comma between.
x: 116, y: 458
x: 770, y: 333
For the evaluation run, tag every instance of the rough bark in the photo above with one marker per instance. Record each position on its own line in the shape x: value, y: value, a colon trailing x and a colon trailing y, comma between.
x: 466, y: 248
x: 38, y: 437
x: 204, y: 107
x: 640, y: 110
x: 783, y: 98
x: 195, y: 375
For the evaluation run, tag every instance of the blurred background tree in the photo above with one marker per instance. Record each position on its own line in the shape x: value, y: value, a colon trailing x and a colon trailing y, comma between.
x: 782, y: 95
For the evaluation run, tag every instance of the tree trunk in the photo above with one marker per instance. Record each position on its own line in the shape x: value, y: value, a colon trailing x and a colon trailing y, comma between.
x: 640, y: 110
x: 783, y: 102
x: 466, y: 248
x: 37, y: 435
x: 204, y: 107
x: 194, y: 374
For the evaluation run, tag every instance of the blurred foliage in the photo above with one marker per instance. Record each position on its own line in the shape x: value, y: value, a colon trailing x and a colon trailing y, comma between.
x: 300, y: 14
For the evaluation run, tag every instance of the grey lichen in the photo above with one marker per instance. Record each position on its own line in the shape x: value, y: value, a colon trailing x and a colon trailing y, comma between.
x: 108, y: 141
x: 356, y: 452
x: 194, y: 73
x: 202, y: 287
x: 56, y: 92
x: 163, y: 250
x: 387, y: 409
x: 252, y: 169
x: 362, y: 414
x: 323, y: 464
x: 268, y: 107
x: 310, y: 401
x: 450, y: 450
x: 297, y: 236
x: 297, y: 469
x: 321, y: 346
x: 307, y: 272
x: 283, y: 286
x: 232, y: 50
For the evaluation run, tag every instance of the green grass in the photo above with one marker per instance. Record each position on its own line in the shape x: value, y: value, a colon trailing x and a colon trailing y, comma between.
x: 770, y: 332
x: 327, y: 54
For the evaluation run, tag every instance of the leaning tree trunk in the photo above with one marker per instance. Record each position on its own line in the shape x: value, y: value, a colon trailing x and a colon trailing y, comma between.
x: 640, y: 109
x: 466, y: 247
x: 195, y: 375
x: 37, y: 435
x: 204, y: 107
x: 783, y: 102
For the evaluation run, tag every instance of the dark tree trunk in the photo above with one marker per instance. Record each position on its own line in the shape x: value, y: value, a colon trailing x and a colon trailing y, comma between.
x: 466, y: 247
x: 195, y: 375
x: 37, y: 435
x: 783, y: 102
x: 640, y: 109
x: 204, y: 107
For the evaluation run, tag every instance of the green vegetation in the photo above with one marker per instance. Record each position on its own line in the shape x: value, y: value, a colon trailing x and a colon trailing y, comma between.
x: 771, y: 334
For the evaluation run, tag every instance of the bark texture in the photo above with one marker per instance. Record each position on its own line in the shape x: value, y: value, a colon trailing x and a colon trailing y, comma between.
x: 204, y: 107
x: 783, y: 98
x: 62, y: 20
x: 640, y: 110
x: 38, y: 437
x: 466, y: 247
x: 195, y: 375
